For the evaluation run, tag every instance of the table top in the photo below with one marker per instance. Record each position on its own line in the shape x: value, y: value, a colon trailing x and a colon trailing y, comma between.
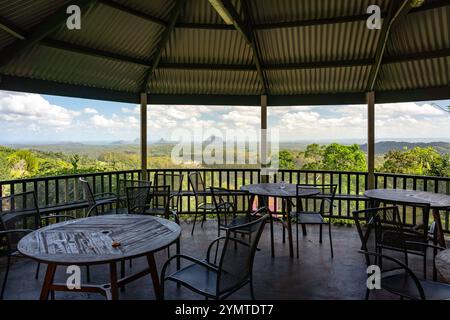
x: 89, y: 240
x: 436, y: 200
x: 443, y: 264
x: 275, y: 190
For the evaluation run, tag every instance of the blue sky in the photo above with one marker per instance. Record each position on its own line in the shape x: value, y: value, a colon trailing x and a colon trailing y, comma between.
x: 28, y: 117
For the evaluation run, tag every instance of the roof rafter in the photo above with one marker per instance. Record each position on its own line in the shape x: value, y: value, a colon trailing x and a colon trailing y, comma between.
x: 395, y: 13
x: 246, y: 30
x: 39, y: 32
x: 10, y: 28
x: 162, y: 44
x: 133, y: 12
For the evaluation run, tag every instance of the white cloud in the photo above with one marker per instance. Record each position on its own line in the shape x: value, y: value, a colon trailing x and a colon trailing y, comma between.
x: 33, y: 108
x: 90, y: 111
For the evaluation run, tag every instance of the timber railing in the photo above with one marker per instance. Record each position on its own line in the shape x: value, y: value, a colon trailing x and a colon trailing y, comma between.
x: 59, y: 192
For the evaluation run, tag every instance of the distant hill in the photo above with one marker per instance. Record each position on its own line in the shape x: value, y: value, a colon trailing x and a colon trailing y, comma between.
x: 383, y: 147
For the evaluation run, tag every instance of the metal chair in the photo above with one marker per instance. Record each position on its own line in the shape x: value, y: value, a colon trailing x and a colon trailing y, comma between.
x: 325, y: 197
x: 219, y: 276
x: 390, y: 233
x: 226, y: 204
x: 199, y: 188
x: 401, y: 280
x: 98, y: 199
x: 19, y: 215
x: 175, y: 182
x: 122, y: 186
x: 138, y: 199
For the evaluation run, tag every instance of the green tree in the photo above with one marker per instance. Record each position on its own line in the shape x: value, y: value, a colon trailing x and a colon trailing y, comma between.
x: 286, y: 160
x: 23, y: 163
x: 420, y: 161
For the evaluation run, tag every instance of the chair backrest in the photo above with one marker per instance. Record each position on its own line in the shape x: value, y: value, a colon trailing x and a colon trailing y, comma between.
x: 138, y: 199
x: 236, y: 260
x: 327, y: 193
x: 159, y: 199
x: 198, y: 185
x: 88, y: 194
x: 122, y: 186
x: 227, y: 203
x: 365, y: 226
x: 175, y: 182
x: 19, y: 211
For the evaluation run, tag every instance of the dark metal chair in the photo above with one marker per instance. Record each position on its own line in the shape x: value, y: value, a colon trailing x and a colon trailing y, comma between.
x: 401, y: 280
x: 398, y: 278
x: 199, y: 188
x: 19, y: 215
x: 325, y: 198
x: 138, y: 199
x: 390, y: 233
x: 98, y: 200
x: 227, y: 203
x: 175, y: 182
x: 122, y: 186
x: 219, y: 276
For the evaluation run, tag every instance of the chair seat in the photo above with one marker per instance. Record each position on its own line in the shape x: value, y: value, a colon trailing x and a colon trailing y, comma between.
x: 308, y: 218
x: 156, y: 211
x: 207, y: 207
x: 198, y: 277
x: 392, y: 240
x: 403, y: 284
x: 239, y: 221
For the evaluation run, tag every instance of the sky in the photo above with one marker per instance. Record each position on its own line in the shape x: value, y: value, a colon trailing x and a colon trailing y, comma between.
x: 34, y: 118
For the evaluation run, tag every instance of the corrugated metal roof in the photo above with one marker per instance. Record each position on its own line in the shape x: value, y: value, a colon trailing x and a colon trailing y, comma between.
x: 207, y: 46
x: 311, y: 81
x: 66, y: 67
x: 118, y: 42
x: 111, y: 30
x: 205, y: 82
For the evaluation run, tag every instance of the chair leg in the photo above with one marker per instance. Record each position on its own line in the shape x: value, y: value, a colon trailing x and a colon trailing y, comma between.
x: 130, y: 264
x: 425, y: 266
x: 367, y: 294
x: 5, y: 278
x: 296, y: 237
x: 331, y: 240
x: 271, y: 237
x: 320, y: 237
x: 122, y: 273
x: 88, y: 274
x: 193, y: 225
x: 252, y: 293
x: 36, y: 276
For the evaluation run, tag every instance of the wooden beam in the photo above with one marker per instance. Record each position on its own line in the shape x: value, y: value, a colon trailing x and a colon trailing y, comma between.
x: 39, y: 32
x: 69, y: 47
x: 395, y: 13
x: 370, y: 97
x: 134, y: 12
x: 10, y: 28
x: 143, y: 138
x: 165, y: 37
x: 245, y: 29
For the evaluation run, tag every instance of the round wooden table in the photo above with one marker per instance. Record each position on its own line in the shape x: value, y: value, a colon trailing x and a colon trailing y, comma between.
x: 443, y: 264
x: 437, y: 201
x: 106, y: 239
x: 279, y: 190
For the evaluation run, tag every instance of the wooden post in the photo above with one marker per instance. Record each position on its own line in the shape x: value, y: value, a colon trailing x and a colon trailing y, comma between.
x: 263, y: 144
x: 370, y: 97
x: 143, y: 99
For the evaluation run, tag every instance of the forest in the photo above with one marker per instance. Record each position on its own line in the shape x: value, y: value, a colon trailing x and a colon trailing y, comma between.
x: 50, y: 160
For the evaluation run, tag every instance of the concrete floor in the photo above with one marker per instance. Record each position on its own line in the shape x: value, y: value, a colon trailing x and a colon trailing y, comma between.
x: 315, y: 275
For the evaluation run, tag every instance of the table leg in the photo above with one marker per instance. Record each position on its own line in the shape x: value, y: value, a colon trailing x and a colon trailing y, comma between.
x: 113, y: 277
x: 48, y: 281
x: 439, y: 232
x: 154, y: 274
x: 289, y: 226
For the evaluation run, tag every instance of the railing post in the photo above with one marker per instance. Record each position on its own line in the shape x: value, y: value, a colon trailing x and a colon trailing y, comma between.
x: 143, y: 100
x: 263, y: 143
x: 370, y: 97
